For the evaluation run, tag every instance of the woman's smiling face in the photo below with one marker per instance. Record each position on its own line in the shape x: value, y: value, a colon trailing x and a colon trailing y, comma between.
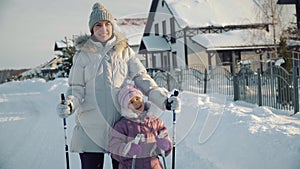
x: 103, y: 30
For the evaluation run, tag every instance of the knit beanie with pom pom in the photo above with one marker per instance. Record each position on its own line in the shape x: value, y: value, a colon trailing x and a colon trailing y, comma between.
x: 99, y: 13
x: 127, y: 93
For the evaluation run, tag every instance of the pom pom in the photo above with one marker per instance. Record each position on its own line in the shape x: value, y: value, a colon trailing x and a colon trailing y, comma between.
x: 98, y: 6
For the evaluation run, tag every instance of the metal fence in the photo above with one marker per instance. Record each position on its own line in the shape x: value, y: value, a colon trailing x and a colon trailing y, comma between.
x: 273, y: 87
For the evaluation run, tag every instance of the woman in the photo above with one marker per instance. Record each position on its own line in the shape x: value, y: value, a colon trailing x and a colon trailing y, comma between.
x: 103, y: 63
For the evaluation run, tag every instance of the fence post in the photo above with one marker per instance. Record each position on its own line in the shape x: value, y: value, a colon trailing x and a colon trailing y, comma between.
x: 168, y: 81
x: 259, y: 87
x: 236, y: 91
x: 205, y: 80
x: 296, y: 94
x: 179, y: 78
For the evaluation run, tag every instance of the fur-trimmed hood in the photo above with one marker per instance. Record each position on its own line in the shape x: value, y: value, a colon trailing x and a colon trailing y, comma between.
x: 84, y: 42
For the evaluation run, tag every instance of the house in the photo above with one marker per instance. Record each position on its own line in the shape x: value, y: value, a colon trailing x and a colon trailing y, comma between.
x: 133, y: 29
x: 47, y: 70
x: 181, y: 33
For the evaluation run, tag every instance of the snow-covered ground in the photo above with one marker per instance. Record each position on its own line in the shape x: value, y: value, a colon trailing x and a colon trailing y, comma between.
x: 212, y: 131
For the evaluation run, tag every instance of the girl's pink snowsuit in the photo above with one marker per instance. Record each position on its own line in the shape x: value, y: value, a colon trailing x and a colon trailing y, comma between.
x: 125, y: 130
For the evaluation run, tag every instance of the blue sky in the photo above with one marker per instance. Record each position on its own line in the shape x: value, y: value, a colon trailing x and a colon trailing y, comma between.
x: 28, y: 29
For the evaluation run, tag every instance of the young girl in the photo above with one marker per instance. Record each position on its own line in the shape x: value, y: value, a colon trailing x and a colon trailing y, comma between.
x: 139, y: 136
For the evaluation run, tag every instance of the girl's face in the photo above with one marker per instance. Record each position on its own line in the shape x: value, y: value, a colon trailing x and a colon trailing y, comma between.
x: 136, y: 104
x: 103, y: 30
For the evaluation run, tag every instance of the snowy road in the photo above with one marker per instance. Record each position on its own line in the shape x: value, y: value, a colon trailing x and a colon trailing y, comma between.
x: 31, y: 133
x: 25, y: 132
x: 245, y: 136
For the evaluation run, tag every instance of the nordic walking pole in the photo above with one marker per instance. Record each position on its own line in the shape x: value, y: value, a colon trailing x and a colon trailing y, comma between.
x: 174, y: 132
x: 62, y: 97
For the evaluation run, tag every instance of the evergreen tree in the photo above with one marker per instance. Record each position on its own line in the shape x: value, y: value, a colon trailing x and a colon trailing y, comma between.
x: 67, y: 57
x: 284, y: 53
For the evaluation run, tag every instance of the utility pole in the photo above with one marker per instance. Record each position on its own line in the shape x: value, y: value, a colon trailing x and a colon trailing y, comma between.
x: 274, y: 22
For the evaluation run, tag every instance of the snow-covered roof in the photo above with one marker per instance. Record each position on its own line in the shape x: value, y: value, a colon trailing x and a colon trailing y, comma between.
x: 201, y: 13
x: 293, y: 43
x: 62, y: 44
x: 234, y: 39
x: 133, y: 28
x: 156, y: 43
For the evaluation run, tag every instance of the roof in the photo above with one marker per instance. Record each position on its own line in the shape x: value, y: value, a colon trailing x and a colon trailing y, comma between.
x: 133, y: 29
x: 293, y: 42
x: 214, y: 12
x: 156, y: 44
x: 59, y: 45
x: 246, y: 39
x: 286, y: 2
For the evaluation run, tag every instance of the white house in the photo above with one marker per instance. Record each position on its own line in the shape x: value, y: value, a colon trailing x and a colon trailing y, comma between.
x: 133, y: 29
x: 182, y: 33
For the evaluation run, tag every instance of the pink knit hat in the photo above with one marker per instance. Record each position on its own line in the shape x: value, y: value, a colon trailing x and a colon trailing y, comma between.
x: 126, y: 93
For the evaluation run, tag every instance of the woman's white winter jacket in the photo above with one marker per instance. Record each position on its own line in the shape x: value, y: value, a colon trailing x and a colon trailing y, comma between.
x: 97, y: 73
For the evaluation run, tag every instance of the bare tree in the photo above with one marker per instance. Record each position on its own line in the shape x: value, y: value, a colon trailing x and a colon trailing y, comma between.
x: 279, y: 16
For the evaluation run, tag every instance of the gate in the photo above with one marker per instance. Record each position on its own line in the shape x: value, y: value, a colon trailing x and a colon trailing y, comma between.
x: 273, y: 88
x: 217, y: 80
x: 220, y: 81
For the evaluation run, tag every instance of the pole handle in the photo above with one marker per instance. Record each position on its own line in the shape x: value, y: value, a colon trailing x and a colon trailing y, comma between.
x: 168, y: 105
x: 62, y: 98
x: 176, y: 93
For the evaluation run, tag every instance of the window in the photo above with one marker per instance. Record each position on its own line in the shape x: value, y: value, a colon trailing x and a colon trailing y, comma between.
x: 147, y: 61
x: 172, y: 26
x: 153, y: 61
x: 166, y: 57
x: 226, y: 57
x: 164, y: 28
x: 174, y: 59
x: 162, y: 60
x: 156, y: 29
